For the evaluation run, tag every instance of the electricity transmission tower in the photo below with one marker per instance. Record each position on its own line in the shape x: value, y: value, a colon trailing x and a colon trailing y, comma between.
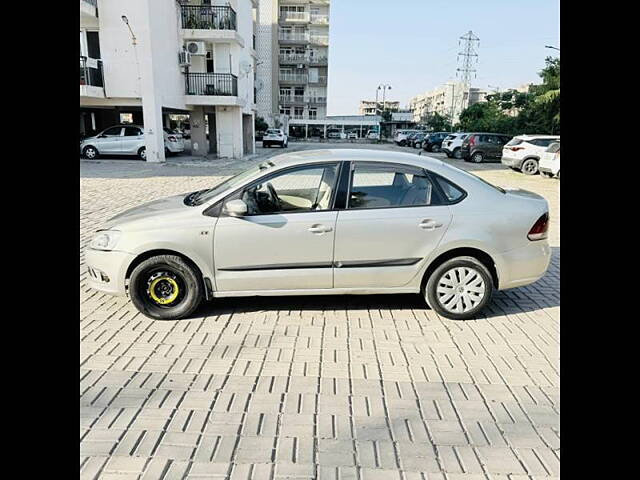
x: 467, y: 58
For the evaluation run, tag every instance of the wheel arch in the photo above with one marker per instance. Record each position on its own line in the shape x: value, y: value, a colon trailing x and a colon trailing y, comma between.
x: 482, y: 256
x: 141, y: 257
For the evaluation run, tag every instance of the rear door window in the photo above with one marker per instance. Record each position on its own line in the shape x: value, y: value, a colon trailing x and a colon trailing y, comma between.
x: 132, y: 132
x: 113, y: 131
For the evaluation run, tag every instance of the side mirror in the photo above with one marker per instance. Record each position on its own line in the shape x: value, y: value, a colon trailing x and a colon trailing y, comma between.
x: 236, y: 208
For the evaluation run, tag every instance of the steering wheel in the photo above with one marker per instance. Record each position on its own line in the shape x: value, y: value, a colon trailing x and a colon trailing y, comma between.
x: 274, y: 197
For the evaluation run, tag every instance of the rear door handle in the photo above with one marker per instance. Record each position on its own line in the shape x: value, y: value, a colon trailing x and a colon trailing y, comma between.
x: 317, y: 228
x: 429, y: 224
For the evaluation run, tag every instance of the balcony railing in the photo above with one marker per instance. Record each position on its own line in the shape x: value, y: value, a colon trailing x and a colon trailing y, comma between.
x: 293, y: 58
x: 293, y: 77
x: 319, y: 19
x: 294, y: 16
x: 91, y: 72
x: 318, y: 60
x: 291, y: 99
x: 319, y: 39
x: 225, y: 84
x: 208, y: 17
x: 294, y: 36
x: 317, y: 100
x: 319, y: 80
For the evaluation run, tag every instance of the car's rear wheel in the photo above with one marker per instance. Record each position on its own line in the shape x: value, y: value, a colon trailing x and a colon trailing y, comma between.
x: 529, y: 166
x: 457, y: 154
x: 477, y: 157
x: 165, y: 287
x: 142, y: 153
x: 435, y: 148
x: 459, y: 288
x: 90, y: 152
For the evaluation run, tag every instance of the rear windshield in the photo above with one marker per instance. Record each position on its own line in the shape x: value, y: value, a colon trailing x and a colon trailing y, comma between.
x: 469, y: 174
x: 272, y: 130
x: 514, y: 141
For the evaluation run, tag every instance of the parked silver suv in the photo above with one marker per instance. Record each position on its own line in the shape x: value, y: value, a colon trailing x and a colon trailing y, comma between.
x: 127, y: 140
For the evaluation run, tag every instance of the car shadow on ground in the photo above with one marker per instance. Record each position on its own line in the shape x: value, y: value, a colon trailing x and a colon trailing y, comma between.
x: 545, y: 293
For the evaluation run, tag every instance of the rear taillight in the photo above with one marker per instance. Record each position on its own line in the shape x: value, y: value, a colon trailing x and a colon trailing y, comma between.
x: 540, y: 228
x: 472, y: 140
x: 173, y: 139
x: 515, y: 149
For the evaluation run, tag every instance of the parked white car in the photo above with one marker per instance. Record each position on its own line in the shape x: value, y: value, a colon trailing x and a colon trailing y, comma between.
x: 127, y: 139
x: 524, y: 151
x: 352, y: 135
x: 275, y: 136
x: 451, y: 145
x: 373, y: 135
x: 401, y: 136
x: 550, y: 161
x: 327, y: 222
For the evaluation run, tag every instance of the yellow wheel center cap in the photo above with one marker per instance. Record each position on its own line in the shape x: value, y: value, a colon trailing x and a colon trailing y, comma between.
x: 164, y: 290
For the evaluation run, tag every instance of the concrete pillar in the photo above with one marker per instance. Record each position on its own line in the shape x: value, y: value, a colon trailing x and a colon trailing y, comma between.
x: 325, y: 131
x: 306, y: 131
x: 167, y: 120
x: 229, y: 126
x: 199, y: 145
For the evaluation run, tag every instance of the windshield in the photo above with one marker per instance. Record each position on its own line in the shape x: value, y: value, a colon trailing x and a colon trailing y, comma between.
x: 203, y: 196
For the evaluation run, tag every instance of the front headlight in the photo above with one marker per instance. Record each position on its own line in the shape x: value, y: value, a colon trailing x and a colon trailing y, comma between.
x: 105, y: 240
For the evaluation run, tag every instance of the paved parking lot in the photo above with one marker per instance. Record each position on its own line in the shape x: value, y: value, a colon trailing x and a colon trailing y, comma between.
x: 353, y: 387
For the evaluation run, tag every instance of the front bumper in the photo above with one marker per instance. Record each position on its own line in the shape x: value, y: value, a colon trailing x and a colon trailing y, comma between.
x: 511, y: 162
x: 107, y: 270
x: 525, y: 265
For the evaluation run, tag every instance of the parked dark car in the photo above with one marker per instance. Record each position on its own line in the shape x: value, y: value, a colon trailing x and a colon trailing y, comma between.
x: 478, y: 147
x: 410, y: 137
x: 416, y: 141
x: 433, y: 141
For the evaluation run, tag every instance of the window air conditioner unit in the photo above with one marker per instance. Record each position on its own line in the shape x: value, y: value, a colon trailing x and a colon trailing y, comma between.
x: 196, y: 48
x: 184, y: 58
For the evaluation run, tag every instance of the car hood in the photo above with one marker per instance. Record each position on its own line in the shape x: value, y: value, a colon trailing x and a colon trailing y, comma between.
x: 157, y: 210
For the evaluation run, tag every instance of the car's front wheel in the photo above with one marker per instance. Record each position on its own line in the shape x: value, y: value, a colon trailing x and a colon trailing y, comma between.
x: 165, y: 287
x: 435, y: 148
x: 459, y: 288
x: 90, y: 152
x: 142, y: 153
x: 529, y: 166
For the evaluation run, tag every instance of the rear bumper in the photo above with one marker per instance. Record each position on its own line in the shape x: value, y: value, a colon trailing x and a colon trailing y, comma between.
x: 175, y: 147
x: 511, y: 162
x: 107, y: 265
x: 525, y: 265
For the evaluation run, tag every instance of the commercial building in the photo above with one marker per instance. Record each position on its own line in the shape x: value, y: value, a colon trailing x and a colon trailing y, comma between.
x: 371, y: 107
x: 293, y: 55
x: 153, y: 58
x: 448, y: 100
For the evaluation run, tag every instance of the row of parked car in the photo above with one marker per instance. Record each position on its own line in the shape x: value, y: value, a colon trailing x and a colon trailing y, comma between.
x: 529, y: 154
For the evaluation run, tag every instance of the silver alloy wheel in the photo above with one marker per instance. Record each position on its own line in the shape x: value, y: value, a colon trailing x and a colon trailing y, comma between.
x: 90, y: 152
x: 460, y: 289
x: 457, y: 154
x: 530, y: 167
x: 143, y: 153
x: 477, y: 158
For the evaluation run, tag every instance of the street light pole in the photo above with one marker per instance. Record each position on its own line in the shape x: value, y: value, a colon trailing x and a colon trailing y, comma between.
x: 551, y: 46
x: 382, y: 87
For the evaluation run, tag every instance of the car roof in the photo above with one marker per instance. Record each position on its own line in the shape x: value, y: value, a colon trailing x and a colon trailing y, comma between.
x: 532, y: 135
x: 353, y: 154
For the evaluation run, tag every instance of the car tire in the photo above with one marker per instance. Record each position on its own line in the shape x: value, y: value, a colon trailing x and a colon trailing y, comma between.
x: 529, y: 166
x: 558, y: 175
x: 478, y: 289
x: 90, y: 152
x: 148, y: 292
x: 435, y: 148
x: 457, y: 154
x: 477, y: 157
x: 142, y: 153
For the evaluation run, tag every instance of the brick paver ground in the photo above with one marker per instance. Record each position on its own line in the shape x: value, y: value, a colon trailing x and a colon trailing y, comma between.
x: 353, y: 387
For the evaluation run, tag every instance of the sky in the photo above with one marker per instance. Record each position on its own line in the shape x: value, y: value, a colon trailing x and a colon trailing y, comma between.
x: 413, y: 45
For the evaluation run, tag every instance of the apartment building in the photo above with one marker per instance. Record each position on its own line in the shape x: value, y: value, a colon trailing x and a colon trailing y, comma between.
x: 293, y: 53
x: 371, y: 107
x: 153, y: 58
x: 448, y: 100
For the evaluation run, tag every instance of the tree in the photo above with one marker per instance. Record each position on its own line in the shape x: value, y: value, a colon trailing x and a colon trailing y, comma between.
x: 438, y: 123
x: 259, y: 124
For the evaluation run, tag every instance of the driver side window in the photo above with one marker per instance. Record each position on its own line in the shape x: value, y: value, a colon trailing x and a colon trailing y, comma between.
x: 302, y: 189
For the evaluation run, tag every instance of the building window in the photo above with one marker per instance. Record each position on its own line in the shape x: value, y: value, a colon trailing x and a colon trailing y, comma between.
x: 313, y: 113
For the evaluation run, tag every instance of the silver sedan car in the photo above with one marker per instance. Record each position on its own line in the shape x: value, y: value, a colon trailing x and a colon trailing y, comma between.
x: 327, y: 222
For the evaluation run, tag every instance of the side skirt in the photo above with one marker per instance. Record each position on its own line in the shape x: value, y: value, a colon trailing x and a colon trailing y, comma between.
x: 320, y: 291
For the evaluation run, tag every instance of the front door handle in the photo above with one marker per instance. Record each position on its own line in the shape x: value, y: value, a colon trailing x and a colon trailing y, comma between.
x: 318, y: 228
x: 429, y: 224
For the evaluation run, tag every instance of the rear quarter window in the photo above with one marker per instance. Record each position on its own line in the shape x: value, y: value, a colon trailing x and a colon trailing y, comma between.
x: 452, y: 192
